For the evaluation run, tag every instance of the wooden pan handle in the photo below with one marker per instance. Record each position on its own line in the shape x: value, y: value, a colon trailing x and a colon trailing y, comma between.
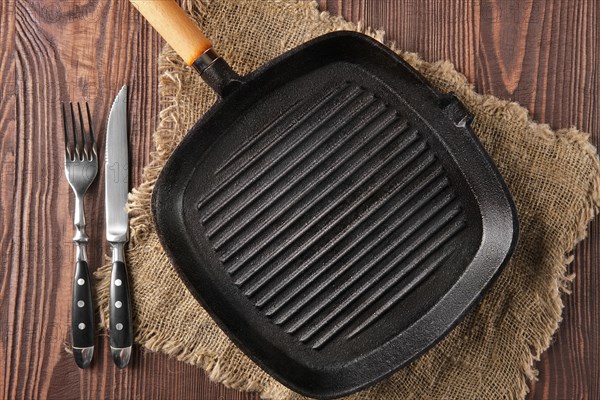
x: 175, y: 27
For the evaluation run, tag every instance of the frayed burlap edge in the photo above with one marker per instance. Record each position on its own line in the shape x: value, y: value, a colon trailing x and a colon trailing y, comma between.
x: 141, y: 220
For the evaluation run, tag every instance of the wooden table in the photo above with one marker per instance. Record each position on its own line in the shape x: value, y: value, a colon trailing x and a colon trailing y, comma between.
x: 542, y: 54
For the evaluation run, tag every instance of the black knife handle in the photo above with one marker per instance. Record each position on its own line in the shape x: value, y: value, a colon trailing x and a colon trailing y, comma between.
x: 82, y: 309
x: 121, y: 332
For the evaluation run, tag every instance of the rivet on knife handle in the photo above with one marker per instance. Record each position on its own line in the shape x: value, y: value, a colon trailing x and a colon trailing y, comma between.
x: 121, y: 333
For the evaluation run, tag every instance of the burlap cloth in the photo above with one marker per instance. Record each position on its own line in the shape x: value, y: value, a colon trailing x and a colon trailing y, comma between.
x: 553, y: 176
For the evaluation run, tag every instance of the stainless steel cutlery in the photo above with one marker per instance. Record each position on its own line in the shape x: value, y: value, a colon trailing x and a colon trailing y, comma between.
x: 117, y: 228
x: 81, y: 168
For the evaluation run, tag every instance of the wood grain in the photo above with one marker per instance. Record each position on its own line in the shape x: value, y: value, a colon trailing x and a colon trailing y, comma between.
x: 542, y: 54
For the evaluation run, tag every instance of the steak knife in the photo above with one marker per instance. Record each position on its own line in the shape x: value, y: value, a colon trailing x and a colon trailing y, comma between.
x: 117, y: 229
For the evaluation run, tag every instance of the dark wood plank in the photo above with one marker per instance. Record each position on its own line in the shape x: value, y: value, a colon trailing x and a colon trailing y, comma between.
x: 8, y: 167
x: 542, y: 54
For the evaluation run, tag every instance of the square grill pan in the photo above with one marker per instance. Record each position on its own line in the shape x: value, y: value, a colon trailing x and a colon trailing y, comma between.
x: 335, y: 215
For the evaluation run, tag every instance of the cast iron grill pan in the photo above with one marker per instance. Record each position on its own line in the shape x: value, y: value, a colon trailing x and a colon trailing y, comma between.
x: 334, y: 213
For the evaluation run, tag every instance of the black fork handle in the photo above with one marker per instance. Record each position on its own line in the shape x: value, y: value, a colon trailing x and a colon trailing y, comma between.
x: 82, y: 316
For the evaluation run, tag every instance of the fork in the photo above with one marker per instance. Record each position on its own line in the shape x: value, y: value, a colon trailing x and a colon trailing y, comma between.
x: 81, y: 167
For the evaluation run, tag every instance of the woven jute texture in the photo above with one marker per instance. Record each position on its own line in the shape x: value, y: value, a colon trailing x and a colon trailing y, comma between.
x: 554, y: 177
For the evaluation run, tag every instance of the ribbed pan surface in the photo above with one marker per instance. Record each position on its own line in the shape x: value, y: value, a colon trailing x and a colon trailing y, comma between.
x: 332, y: 214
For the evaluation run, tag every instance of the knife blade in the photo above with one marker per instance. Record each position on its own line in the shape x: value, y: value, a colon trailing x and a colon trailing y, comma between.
x: 117, y: 228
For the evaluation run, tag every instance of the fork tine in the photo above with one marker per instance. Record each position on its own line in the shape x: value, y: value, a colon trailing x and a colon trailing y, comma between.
x: 89, y: 115
x: 82, y: 127
x: 74, y: 126
x: 64, y: 115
